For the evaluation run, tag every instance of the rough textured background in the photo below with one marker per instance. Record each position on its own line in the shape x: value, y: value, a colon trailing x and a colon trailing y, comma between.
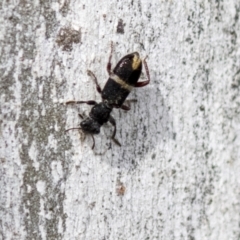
x: 176, y: 175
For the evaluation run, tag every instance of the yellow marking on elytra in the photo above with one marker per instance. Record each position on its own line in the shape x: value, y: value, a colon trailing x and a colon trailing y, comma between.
x: 121, y: 82
x: 136, y: 61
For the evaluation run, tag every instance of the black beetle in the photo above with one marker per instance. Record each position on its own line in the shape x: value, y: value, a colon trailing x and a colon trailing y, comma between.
x: 121, y: 81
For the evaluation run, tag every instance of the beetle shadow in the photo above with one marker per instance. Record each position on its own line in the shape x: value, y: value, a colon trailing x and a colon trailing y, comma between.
x: 142, y: 130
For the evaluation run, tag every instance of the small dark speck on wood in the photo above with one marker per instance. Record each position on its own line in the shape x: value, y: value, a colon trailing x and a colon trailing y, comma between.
x: 66, y: 37
x: 120, y: 26
x: 120, y: 188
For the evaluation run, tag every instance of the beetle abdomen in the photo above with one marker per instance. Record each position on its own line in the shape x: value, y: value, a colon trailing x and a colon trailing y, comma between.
x: 124, y: 77
x: 129, y: 68
x: 115, y: 93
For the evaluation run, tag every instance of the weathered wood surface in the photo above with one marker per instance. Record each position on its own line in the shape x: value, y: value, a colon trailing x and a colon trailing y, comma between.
x: 176, y: 175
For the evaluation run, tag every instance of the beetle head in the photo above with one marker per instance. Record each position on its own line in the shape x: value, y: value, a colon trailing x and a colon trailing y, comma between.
x: 89, y: 125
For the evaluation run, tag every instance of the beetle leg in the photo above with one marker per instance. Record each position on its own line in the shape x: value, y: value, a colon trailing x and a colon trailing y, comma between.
x: 126, y: 108
x: 90, y: 73
x: 113, y: 122
x: 144, y: 83
x: 91, y: 102
x: 80, y: 115
x: 93, y: 141
x: 141, y: 84
x: 109, y: 65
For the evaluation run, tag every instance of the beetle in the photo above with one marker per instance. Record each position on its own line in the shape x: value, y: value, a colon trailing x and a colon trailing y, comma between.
x: 121, y: 81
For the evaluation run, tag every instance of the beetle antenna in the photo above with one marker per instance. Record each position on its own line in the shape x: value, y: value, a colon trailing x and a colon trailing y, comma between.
x: 72, y: 129
x: 93, y: 141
